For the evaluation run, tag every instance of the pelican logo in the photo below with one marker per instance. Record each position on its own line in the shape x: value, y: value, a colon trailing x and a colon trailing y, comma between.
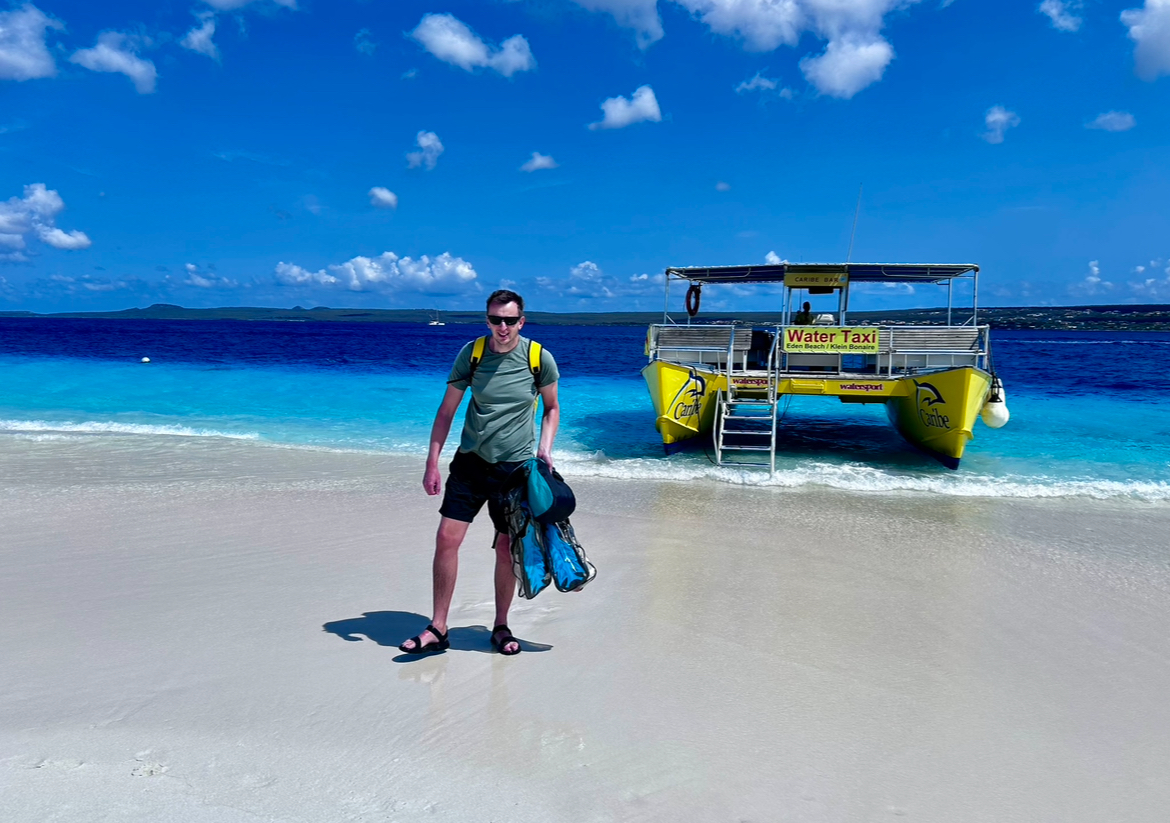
x: 928, y: 397
x: 689, y: 399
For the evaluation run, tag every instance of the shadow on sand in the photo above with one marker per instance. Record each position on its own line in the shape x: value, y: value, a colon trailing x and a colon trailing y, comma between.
x: 392, y: 628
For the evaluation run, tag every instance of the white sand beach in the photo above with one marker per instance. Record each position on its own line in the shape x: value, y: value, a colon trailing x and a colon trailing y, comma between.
x: 205, y: 631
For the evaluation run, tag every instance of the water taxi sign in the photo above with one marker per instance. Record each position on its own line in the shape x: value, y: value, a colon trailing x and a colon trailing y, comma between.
x: 816, y: 280
x: 862, y: 340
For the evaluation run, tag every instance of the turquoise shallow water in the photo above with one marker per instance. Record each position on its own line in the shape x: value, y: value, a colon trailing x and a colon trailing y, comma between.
x: 1090, y: 411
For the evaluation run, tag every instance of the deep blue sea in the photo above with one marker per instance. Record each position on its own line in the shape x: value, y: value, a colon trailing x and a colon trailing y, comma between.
x: 1090, y: 410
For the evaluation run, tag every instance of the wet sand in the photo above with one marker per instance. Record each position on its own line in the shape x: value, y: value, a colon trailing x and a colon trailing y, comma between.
x: 206, y: 631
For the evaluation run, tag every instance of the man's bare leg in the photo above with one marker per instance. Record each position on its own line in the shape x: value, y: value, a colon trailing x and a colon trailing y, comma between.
x: 505, y: 585
x: 444, y: 570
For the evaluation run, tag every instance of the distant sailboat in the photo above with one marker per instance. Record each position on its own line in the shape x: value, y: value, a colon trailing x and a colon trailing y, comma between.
x: 435, y: 321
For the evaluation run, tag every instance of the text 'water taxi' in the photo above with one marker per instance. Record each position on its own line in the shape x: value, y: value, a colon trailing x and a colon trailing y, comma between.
x: 726, y: 380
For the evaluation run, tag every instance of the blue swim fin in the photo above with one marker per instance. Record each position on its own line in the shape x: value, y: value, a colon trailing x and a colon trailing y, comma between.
x: 529, y: 558
x: 571, y: 569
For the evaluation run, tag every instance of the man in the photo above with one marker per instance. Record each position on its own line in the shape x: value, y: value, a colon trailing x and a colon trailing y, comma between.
x: 804, y: 317
x: 499, y: 434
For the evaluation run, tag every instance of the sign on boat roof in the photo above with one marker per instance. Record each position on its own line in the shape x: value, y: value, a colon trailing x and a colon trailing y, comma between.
x: 855, y: 272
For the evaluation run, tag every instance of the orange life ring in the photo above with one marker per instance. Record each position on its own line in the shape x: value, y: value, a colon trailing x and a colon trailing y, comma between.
x: 694, y: 295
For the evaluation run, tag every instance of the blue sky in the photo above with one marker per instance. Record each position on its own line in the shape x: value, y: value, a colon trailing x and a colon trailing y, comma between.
x: 392, y: 153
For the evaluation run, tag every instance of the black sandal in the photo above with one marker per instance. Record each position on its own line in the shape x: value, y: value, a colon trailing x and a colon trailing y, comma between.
x: 505, y: 640
x: 440, y: 645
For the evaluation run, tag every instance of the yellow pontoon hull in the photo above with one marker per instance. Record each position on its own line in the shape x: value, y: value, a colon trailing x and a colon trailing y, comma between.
x: 937, y: 412
x: 934, y: 412
x: 684, y: 399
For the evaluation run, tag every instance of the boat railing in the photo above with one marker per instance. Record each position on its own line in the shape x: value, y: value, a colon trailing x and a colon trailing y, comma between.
x: 746, y: 349
x: 723, y: 347
x: 925, y: 348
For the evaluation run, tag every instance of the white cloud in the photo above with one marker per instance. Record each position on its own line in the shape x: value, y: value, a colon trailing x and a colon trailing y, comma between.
x: 450, y: 40
x: 1059, y: 12
x: 620, y: 112
x: 886, y: 288
x: 60, y: 239
x: 539, y: 161
x: 363, y: 42
x: 383, y: 198
x: 206, y: 280
x: 88, y: 283
x: 1113, y: 121
x: 773, y: 259
x: 586, y: 281
x: 757, y: 83
x: 639, y: 15
x: 231, y: 5
x: 998, y: 120
x: 1093, y: 283
x: 722, y: 186
x: 765, y: 86
x: 647, y: 278
x: 855, y: 55
x: 1149, y: 28
x: 1155, y: 287
x: 118, y: 53
x: 23, y: 52
x: 848, y: 65
x: 430, y: 147
x: 199, y: 38
x: 387, y: 273
x: 34, y: 216
x: 644, y: 284
x: 763, y: 25
x: 586, y: 272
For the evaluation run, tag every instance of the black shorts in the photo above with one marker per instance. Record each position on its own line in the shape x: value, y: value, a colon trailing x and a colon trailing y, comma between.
x: 472, y: 482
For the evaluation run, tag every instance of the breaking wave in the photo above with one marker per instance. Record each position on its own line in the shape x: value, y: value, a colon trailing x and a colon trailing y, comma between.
x: 49, y: 428
x: 577, y: 463
x: 861, y: 478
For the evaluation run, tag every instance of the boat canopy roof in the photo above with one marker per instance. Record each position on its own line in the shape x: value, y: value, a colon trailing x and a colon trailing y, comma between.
x: 857, y: 272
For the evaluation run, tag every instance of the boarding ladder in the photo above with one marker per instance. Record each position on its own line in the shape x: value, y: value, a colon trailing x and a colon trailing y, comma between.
x: 745, y: 413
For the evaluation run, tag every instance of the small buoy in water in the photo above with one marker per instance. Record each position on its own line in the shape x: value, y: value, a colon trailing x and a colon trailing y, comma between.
x: 995, y: 414
x: 146, y: 360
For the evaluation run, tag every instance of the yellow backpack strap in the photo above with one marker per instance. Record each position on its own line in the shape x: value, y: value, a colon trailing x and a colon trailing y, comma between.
x: 534, y: 350
x: 476, y: 356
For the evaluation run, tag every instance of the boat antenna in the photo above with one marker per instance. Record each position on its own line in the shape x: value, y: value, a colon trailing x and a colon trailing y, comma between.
x: 856, y: 211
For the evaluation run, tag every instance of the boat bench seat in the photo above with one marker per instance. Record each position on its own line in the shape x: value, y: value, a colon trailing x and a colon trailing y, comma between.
x: 704, y: 344
x: 705, y: 338
x: 941, y: 339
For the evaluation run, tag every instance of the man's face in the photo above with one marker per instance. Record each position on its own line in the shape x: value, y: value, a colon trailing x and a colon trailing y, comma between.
x: 504, y: 334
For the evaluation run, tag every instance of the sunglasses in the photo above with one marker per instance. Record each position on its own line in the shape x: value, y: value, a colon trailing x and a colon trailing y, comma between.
x: 496, y: 320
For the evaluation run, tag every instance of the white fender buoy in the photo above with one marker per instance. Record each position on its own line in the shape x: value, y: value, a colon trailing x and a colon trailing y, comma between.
x: 146, y: 360
x: 995, y: 414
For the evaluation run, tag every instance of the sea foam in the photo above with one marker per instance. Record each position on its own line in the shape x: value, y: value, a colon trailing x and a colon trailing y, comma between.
x: 863, y: 478
x: 46, y: 427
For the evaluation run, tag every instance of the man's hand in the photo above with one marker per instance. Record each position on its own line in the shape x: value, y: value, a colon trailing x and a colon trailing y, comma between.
x: 432, y: 480
x: 546, y: 456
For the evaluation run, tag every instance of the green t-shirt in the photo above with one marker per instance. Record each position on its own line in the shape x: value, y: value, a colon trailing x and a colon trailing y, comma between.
x: 500, y: 425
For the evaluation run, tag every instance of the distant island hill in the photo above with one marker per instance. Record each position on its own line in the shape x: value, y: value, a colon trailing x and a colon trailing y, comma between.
x: 1128, y: 317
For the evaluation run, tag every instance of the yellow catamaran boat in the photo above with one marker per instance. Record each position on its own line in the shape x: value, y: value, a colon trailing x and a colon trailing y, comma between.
x: 726, y: 380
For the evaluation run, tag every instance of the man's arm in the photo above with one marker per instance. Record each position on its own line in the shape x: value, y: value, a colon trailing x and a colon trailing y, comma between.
x: 549, y: 422
x: 432, y: 478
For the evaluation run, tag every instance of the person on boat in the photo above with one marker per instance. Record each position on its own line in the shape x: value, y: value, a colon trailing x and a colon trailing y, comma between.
x: 804, y: 317
x: 499, y: 435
